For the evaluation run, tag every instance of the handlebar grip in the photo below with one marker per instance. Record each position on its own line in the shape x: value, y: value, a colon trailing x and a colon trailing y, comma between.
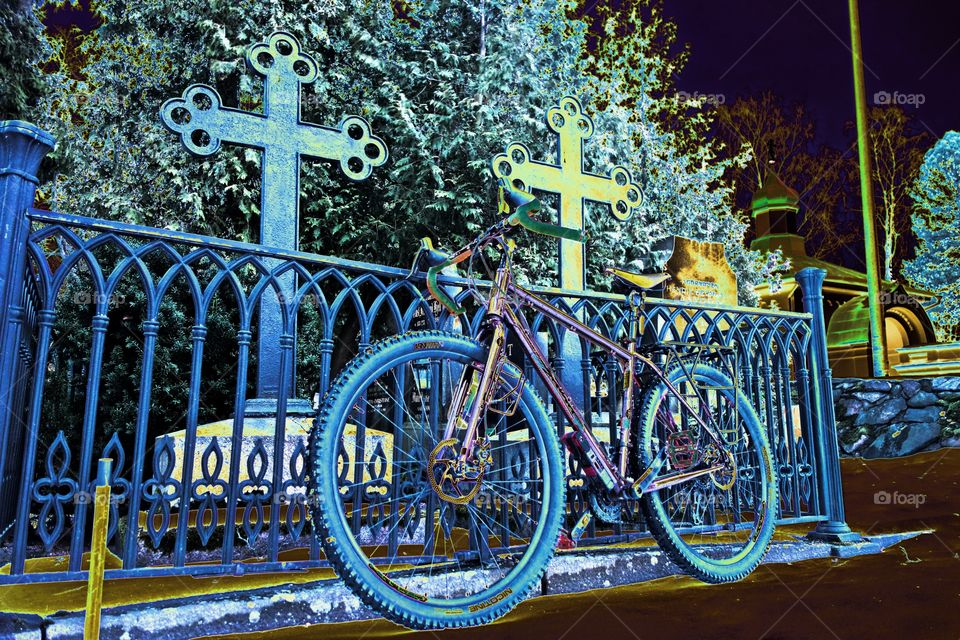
x: 522, y: 217
x: 525, y: 203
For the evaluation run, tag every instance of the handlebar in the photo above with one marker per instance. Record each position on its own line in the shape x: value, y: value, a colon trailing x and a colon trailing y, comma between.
x: 523, y: 204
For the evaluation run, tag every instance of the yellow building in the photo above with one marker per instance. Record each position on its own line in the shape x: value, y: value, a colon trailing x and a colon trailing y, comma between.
x: 912, y: 347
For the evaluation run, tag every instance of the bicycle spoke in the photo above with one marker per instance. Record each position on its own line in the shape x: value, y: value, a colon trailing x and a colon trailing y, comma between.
x: 722, y: 506
x: 427, y: 544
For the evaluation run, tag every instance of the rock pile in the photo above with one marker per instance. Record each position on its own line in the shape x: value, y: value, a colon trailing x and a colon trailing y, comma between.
x: 890, y: 418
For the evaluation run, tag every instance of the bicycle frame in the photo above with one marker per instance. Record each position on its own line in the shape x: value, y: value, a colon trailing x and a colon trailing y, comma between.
x: 470, y: 397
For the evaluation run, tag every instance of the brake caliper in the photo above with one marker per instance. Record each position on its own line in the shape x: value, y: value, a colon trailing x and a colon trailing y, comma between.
x: 453, y: 479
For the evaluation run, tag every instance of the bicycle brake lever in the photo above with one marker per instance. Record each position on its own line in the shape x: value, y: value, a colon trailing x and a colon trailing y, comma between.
x: 416, y: 263
x: 425, y: 258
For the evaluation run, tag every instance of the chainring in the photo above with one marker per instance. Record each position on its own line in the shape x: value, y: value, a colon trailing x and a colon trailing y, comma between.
x: 606, y: 508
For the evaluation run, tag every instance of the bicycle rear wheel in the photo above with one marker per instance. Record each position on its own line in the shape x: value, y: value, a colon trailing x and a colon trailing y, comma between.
x: 716, y: 527
x: 425, y: 541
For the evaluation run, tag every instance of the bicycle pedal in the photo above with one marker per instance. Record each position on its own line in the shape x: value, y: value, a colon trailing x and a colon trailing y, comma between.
x: 564, y: 543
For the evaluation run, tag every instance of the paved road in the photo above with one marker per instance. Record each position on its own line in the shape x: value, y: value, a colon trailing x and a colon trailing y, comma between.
x: 910, y: 591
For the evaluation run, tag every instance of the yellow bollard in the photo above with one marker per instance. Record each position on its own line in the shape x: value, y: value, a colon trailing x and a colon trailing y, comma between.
x: 98, y: 550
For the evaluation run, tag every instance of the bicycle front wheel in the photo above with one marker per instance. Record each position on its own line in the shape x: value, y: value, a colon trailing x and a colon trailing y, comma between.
x: 718, y: 526
x: 424, y: 539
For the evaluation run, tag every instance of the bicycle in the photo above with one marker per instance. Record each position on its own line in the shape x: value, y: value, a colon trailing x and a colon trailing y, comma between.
x: 437, y: 481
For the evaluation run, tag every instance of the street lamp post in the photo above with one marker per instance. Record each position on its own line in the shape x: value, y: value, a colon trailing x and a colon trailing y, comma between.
x: 877, y: 336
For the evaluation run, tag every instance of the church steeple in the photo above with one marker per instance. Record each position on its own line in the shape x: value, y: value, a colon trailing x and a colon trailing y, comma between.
x: 774, y: 208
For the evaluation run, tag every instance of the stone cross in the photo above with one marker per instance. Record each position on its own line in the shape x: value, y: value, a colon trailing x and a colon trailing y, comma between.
x: 570, y: 181
x: 204, y: 123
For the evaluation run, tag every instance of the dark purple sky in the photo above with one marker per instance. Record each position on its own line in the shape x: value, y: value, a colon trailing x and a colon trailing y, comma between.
x: 799, y: 48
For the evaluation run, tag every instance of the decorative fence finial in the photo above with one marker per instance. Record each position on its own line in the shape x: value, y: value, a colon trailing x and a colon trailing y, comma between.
x: 570, y: 181
x: 204, y: 124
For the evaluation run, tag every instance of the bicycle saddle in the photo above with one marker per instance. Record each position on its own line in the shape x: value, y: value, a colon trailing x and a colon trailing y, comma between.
x: 638, y: 280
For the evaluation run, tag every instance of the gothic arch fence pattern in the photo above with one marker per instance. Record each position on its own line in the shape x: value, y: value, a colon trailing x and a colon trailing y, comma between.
x: 239, y: 503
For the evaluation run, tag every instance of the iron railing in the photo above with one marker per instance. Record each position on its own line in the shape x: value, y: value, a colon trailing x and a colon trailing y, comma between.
x: 168, y: 516
x: 203, y: 499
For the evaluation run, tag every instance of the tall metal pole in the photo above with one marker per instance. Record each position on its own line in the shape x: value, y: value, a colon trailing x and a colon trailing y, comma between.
x: 878, y: 339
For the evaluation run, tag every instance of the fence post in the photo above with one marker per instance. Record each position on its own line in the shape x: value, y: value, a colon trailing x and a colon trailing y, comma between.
x: 835, y: 528
x: 98, y: 550
x: 22, y: 147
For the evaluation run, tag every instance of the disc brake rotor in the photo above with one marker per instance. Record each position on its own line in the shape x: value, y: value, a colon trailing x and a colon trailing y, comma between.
x: 726, y: 477
x: 453, y: 480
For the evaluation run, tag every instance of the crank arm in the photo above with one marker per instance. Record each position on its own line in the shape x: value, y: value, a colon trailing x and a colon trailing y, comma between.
x: 649, y: 474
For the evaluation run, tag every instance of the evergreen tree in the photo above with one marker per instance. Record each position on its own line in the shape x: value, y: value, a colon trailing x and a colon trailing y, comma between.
x: 630, y: 72
x: 447, y: 83
x: 936, y: 223
x: 19, y: 56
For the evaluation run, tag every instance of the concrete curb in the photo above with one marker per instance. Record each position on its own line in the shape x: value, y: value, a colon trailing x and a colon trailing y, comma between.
x: 328, y: 601
x: 21, y: 626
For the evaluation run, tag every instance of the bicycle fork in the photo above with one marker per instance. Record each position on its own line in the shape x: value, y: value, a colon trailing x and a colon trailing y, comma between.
x: 475, y: 385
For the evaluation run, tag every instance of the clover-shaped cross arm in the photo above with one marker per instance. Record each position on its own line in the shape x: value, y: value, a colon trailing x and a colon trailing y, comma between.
x: 352, y: 143
x: 203, y: 122
x: 516, y: 167
x: 282, y: 55
x: 568, y: 118
x: 618, y: 190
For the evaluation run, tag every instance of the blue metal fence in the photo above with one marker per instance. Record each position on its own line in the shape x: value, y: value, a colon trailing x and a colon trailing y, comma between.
x: 199, y: 503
